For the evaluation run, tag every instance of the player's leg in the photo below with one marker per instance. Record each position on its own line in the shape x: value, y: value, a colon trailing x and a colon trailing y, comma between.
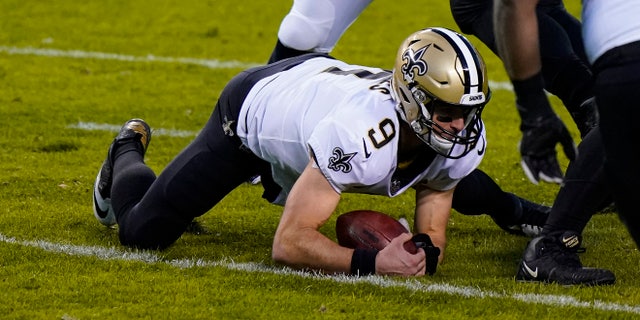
x: 584, y: 191
x: 153, y: 213
x: 208, y: 169
x: 315, y: 26
x: 132, y: 141
x: 478, y: 194
x: 553, y: 256
x: 475, y: 18
x: 617, y: 84
x: 564, y: 66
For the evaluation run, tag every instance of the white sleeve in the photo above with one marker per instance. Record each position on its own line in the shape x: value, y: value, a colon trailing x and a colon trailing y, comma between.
x: 339, y: 152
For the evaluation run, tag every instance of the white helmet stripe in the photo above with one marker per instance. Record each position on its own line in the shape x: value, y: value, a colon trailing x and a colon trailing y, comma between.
x: 464, y: 49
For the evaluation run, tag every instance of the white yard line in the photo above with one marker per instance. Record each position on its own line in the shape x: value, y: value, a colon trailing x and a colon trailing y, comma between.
x: 79, y: 54
x: 92, y: 126
x: 115, y: 253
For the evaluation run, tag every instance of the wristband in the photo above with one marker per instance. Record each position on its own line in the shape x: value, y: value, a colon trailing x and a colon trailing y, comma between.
x: 422, y: 240
x: 363, y: 262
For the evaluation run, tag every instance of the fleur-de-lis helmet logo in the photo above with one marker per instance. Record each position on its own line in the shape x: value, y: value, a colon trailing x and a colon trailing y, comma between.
x: 414, y: 64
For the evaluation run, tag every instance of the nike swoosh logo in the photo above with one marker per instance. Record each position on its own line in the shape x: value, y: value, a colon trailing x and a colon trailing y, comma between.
x: 532, y: 273
x: 102, y: 213
x: 367, y: 154
x: 484, y: 145
x: 100, y: 206
x: 571, y: 241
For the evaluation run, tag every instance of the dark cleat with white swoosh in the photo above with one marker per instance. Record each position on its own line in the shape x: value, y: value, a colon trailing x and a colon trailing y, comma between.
x: 553, y: 258
x: 133, y: 130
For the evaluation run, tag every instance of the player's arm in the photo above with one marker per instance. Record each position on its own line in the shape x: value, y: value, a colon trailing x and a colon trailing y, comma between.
x: 297, y: 241
x: 433, y: 209
x: 299, y: 244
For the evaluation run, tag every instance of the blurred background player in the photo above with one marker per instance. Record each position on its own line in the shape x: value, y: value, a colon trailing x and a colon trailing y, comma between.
x: 611, y: 42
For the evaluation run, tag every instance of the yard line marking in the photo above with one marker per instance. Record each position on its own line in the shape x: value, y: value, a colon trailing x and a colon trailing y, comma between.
x: 93, y: 126
x: 500, y: 85
x: 208, y: 63
x: 79, y: 54
x: 413, y: 285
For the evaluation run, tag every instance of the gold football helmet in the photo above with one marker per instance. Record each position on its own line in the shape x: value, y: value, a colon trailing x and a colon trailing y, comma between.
x: 440, y: 66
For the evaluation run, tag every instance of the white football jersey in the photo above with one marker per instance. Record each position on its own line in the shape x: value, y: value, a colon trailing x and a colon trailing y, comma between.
x: 607, y: 24
x: 345, y: 116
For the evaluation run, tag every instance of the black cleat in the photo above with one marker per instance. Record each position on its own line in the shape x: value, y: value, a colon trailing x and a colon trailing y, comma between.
x: 132, y: 130
x: 554, y: 258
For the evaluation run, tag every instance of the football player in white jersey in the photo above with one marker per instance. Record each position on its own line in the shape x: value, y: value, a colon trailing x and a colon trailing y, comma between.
x: 323, y: 127
x: 611, y: 32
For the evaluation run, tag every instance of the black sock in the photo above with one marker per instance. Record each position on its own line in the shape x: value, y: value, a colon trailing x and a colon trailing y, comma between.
x: 281, y: 52
x: 531, y: 100
x: 478, y: 194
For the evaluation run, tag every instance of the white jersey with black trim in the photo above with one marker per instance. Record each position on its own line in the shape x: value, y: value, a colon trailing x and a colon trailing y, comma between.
x: 345, y: 116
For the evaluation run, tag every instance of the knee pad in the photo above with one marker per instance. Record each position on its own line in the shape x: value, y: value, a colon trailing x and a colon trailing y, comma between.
x: 317, y: 25
x: 306, y: 29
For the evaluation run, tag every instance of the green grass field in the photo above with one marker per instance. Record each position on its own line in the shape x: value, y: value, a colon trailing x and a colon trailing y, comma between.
x: 71, y: 72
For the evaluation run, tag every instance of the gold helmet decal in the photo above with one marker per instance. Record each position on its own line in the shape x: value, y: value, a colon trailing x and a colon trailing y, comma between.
x: 413, y: 63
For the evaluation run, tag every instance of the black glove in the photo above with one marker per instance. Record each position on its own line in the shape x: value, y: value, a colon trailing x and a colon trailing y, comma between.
x: 538, y: 148
x: 422, y: 240
x: 586, y: 116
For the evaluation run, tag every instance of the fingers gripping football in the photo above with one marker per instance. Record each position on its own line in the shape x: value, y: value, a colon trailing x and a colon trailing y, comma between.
x: 394, y: 259
x: 366, y: 229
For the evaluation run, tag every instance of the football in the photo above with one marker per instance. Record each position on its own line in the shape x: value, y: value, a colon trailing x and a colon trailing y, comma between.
x: 367, y: 229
